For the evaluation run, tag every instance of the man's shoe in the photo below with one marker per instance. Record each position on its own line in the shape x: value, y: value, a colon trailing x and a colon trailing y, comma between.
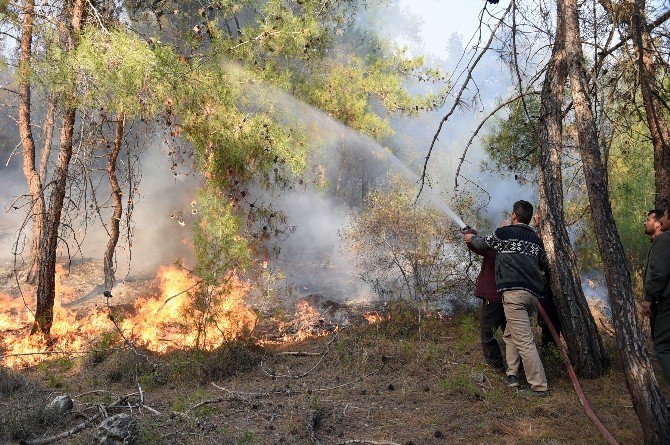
x: 532, y: 393
x: 512, y: 381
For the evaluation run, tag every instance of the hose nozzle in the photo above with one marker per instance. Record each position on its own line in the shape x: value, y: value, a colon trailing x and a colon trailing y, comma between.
x: 465, y: 229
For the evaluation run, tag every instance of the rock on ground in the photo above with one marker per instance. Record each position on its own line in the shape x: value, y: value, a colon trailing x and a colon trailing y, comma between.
x: 59, y: 406
x: 117, y: 429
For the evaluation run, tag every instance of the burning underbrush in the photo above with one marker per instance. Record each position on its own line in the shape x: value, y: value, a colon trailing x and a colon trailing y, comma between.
x: 173, y: 312
x: 182, y: 314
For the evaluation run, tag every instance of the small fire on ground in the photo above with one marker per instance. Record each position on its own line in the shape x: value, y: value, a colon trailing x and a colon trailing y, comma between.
x: 373, y: 317
x: 182, y: 314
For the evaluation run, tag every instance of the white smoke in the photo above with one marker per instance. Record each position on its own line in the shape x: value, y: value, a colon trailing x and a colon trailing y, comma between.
x: 313, y: 256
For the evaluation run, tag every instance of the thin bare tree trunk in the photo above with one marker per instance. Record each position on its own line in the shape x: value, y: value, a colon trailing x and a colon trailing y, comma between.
x: 118, y: 206
x: 647, y: 398
x: 656, y: 120
x: 47, y: 136
x: 38, y: 220
x: 577, y: 323
x: 46, y: 260
x: 27, y: 140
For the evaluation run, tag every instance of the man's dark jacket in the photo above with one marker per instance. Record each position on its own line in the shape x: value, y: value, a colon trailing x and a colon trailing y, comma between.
x: 520, y: 259
x: 657, y: 272
x: 486, y: 281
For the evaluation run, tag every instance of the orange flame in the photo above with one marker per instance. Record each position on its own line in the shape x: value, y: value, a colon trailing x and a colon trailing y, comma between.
x: 307, y: 323
x: 65, y: 293
x: 167, y: 322
x: 307, y: 320
x: 373, y: 317
x: 159, y: 323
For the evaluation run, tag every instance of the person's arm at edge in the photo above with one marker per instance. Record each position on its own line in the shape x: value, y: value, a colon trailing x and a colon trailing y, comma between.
x: 658, y: 270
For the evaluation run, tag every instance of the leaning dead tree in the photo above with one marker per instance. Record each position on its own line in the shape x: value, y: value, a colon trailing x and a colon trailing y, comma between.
x: 579, y: 329
x: 458, y: 99
x: 647, y: 399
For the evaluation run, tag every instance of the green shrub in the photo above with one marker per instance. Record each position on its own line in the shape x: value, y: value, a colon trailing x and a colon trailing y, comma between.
x: 125, y: 367
x: 233, y: 358
x: 102, y: 348
x: 406, y: 251
x: 26, y: 419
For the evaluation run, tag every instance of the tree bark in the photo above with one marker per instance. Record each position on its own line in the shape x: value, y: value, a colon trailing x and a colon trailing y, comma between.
x: 38, y: 217
x: 27, y: 140
x: 584, y: 344
x: 47, y: 136
x: 46, y: 259
x: 647, y: 399
x: 118, y: 206
x: 656, y: 120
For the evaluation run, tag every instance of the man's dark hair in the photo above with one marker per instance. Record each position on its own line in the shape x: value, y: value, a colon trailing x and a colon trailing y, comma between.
x: 658, y: 213
x: 524, y: 211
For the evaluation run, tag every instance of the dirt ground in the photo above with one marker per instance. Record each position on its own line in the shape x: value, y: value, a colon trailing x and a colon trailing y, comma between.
x: 397, y: 381
x: 372, y: 384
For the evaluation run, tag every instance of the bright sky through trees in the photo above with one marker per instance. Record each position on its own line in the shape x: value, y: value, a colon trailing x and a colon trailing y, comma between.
x: 441, y: 18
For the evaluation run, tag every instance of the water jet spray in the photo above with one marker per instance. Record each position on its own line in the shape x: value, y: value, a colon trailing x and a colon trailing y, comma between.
x: 324, y: 130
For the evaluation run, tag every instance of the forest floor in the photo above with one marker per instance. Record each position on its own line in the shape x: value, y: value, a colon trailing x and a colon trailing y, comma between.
x: 396, y: 381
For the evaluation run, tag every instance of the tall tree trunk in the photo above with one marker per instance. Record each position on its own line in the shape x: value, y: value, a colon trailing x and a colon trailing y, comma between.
x: 579, y: 329
x: 118, y: 206
x: 47, y: 136
x: 647, y: 399
x: 46, y: 260
x: 656, y: 120
x: 38, y: 219
x: 27, y: 140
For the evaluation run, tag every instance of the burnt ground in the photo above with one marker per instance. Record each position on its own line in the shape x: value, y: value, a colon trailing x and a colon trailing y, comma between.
x: 394, y: 382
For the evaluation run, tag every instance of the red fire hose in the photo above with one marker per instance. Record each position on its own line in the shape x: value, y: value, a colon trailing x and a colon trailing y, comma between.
x: 573, y: 377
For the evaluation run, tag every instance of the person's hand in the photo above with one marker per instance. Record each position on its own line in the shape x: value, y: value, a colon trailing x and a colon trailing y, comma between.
x: 645, y: 309
x: 468, y: 237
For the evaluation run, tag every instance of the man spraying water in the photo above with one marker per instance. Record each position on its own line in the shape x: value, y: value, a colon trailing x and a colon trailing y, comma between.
x: 519, y: 268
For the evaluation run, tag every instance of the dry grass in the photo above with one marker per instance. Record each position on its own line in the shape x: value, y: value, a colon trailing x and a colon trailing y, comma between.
x: 399, y: 380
